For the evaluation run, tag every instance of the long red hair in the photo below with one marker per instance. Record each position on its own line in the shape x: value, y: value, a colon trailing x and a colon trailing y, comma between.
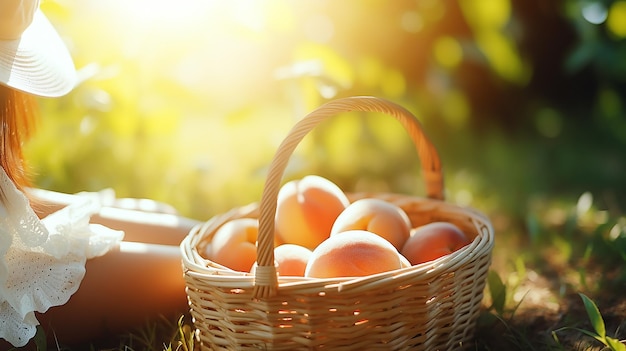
x: 17, y: 116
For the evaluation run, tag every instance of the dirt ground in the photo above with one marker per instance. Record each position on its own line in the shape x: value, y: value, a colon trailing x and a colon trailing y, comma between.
x: 547, y: 310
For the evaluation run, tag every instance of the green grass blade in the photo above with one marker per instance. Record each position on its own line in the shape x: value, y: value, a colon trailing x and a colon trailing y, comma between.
x: 40, y: 339
x: 592, y: 334
x: 594, y: 315
x: 497, y: 289
x: 615, y: 344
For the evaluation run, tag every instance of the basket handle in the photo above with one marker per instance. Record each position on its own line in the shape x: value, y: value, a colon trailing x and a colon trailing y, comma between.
x: 266, y: 281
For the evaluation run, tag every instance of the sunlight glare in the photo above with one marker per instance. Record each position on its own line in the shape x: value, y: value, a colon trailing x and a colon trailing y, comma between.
x: 319, y: 28
x: 595, y: 12
x: 412, y: 22
x: 217, y: 48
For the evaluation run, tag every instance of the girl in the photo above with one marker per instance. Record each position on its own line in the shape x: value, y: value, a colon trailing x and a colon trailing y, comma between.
x: 81, y: 265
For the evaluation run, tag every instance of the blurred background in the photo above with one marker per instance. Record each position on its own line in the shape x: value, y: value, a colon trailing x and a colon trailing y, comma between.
x: 186, y: 101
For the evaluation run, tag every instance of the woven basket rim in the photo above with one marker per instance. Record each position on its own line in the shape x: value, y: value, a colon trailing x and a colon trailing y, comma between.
x: 433, y: 305
x: 265, y: 278
x: 200, y: 267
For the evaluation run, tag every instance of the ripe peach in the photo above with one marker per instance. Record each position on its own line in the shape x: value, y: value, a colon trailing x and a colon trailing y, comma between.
x: 291, y: 259
x: 432, y: 241
x: 234, y: 244
x: 404, y: 261
x: 376, y: 216
x: 354, y: 253
x: 306, y: 210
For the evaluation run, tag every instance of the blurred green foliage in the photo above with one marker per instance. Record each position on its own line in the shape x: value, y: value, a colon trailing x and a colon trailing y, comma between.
x: 186, y: 102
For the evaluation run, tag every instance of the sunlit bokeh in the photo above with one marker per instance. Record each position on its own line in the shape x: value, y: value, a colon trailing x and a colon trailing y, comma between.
x: 187, y: 101
x: 616, y: 21
x: 594, y: 12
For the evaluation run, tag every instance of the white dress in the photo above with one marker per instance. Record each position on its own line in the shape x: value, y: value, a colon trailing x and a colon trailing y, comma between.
x: 42, y: 262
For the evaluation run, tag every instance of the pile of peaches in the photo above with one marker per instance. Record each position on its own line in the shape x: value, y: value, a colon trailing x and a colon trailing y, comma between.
x: 319, y: 233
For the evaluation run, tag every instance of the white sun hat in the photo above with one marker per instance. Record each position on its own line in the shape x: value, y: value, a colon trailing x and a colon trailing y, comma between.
x: 33, y: 57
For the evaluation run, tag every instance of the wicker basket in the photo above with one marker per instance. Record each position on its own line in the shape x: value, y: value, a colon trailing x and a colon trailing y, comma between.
x: 431, y: 306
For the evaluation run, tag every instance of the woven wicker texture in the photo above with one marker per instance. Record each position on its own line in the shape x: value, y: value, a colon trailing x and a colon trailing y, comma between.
x: 431, y: 306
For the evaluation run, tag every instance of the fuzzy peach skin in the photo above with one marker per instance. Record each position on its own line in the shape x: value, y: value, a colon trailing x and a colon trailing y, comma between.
x: 354, y: 253
x: 290, y: 260
x: 376, y: 216
x: 404, y: 261
x: 433, y: 240
x: 234, y: 244
x: 306, y: 210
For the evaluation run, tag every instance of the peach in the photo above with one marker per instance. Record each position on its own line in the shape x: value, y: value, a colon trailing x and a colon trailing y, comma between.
x: 234, y: 244
x: 354, y: 253
x: 290, y: 260
x: 376, y: 216
x: 433, y: 240
x: 404, y: 261
x: 306, y: 210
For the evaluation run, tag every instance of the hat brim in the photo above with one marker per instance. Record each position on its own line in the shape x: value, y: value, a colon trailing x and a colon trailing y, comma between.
x: 38, y: 62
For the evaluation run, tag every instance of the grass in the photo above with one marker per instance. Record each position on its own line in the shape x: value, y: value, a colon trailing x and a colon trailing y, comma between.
x: 158, y: 335
x: 558, y: 287
x: 599, y: 328
x: 569, y: 272
x: 559, y: 291
x: 557, y: 277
